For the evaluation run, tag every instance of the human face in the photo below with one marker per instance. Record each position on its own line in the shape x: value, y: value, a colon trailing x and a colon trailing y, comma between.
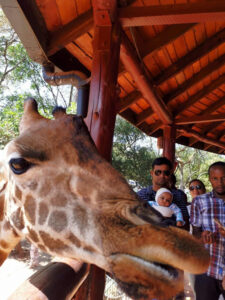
x: 217, y: 179
x: 160, y: 176
x: 196, y: 189
x: 165, y: 199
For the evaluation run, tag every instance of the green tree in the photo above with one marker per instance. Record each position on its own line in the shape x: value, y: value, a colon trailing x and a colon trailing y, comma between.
x: 132, y: 154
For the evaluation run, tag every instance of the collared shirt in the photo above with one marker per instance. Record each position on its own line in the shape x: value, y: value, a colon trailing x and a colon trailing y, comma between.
x: 204, y: 209
x: 179, y: 198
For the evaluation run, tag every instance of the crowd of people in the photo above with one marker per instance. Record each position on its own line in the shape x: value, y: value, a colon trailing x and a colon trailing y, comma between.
x: 204, y: 218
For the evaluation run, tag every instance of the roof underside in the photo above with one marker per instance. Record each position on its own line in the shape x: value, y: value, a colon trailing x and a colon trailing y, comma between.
x: 180, y: 45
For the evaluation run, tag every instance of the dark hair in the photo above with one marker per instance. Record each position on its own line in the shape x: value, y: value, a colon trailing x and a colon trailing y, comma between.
x: 216, y: 164
x: 196, y: 179
x: 162, y: 161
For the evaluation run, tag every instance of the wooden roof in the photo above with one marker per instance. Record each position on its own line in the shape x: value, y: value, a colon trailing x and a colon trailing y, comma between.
x: 180, y: 48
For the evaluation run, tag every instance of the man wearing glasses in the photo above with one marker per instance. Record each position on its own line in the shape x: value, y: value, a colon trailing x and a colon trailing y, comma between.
x: 160, y: 173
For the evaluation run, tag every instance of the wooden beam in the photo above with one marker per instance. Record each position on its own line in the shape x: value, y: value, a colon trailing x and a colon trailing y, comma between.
x: 192, y: 141
x: 168, y: 35
x: 133, y: 66
x: 200, y: 137
x: 169, y: 137
x: 125, y: 102
x: 143, y: 116
x: 192, y: 56
x: 200, y: 119
x: 70, y: 32
x: 210, y: 68
x: 172, y: 14
x: 158, y: 124
x: 202, y: 93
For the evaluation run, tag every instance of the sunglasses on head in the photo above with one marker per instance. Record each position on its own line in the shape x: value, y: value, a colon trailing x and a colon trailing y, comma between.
x: 195, y: 187
x: 159, y: 172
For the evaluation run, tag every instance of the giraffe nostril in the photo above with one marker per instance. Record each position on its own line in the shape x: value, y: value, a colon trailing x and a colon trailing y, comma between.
x: 19, y: 165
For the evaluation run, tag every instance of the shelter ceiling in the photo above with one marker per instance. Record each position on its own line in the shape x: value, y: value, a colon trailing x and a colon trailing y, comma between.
x: 179, y: 46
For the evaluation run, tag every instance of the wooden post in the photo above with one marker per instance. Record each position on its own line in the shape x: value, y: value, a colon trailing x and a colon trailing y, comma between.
x: 102, y: 106
x: 102, y: 100
x: 169, y: 137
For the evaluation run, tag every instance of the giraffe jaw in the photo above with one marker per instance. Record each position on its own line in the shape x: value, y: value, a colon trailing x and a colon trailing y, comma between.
x: 145, y: 279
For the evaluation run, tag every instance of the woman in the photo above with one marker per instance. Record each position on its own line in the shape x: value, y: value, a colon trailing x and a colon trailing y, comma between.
x: 196, y: 188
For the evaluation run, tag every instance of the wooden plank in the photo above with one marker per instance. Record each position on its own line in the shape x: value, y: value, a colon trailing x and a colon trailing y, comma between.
x: 164, y: 37
x: 210, y: 68
x: 143, y: 115
x: 70, y: 32
x: 169, y: 137
x: 191, y: 57
x: 192, y: 100
x: 200, y: 119
x: 125, y: 102
x: 209, y: 11
x: 205, y: 139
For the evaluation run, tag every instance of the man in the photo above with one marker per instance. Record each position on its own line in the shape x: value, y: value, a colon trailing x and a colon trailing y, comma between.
x: 204, y: 210
x: 160, y: 173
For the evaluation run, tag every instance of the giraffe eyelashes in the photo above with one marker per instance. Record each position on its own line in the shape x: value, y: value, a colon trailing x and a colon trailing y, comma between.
x: 19, y: 165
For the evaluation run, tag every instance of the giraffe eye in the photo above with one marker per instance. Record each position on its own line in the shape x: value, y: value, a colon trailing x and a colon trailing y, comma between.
x: 19, y: 165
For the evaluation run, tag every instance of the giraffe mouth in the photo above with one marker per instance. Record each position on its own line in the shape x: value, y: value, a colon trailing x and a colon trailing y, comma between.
x: 141, y: 278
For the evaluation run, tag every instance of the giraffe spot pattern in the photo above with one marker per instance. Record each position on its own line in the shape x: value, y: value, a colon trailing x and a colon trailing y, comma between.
x: 17, y: 218
x: 33, y: 235
x: 2, y: 207
x: 74, y: 240
x: 4, y: 244
x: 89, y: 249
x: 43, y: 213
x: 59, y: 201
x: 42, y: 247
x: 4, y: 186
x: 52, y: 244
x: 18, y: 193
x: 80, y: 218
x: 58, y: 221
x: 30, y: 209
x: 32, y: 185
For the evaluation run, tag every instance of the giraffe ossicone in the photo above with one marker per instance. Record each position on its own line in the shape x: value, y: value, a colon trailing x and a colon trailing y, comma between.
x: 56, y: 191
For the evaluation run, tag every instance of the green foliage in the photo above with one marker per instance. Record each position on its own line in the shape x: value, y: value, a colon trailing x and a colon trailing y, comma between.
x: 130, y: 157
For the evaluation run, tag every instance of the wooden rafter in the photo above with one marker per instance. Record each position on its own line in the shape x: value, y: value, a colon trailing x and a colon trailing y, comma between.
x: 192, y: 56
x: 126, y: 101
x: 200, y: 119
x: 202, y: 93
x: 168, y: 14
x: 210, y: 68
x: 70, y: 32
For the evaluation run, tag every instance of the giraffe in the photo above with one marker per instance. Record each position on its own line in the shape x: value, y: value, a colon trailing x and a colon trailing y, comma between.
x: 56, y: 191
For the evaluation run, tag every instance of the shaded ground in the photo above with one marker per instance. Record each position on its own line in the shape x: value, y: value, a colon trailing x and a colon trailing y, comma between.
x: 16, y: 269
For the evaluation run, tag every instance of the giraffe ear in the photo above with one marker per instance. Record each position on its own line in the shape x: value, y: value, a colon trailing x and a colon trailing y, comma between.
x: 30, y: 114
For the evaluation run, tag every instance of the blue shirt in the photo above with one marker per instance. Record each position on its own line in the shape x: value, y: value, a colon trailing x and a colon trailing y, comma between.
x: 204, y: 209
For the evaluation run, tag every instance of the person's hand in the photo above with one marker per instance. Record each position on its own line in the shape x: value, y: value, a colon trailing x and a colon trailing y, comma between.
x: 179, y: 224
x: 223, y: 282
x: 207, y: 237
x: 222, y: 232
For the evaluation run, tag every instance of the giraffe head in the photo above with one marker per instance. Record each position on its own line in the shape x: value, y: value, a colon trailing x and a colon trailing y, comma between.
x: 61, y: 195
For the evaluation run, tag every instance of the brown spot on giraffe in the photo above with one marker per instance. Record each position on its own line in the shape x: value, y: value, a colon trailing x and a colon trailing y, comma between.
x: 52, y: 244
x: 30, y: 209
x: 60, y: 200
x: 74, y: 240
x: 4, y: 244
x: 40, y: 246
x: 33, y: 235
x: 58, y: 220
x: 3, y: 187
x: 2, y: 207
x: 18, y: 193
x: 43, y: 213
x: 80, y: 218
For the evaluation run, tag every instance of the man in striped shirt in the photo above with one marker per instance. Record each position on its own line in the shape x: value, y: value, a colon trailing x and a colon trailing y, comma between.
x: 204, y: 210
